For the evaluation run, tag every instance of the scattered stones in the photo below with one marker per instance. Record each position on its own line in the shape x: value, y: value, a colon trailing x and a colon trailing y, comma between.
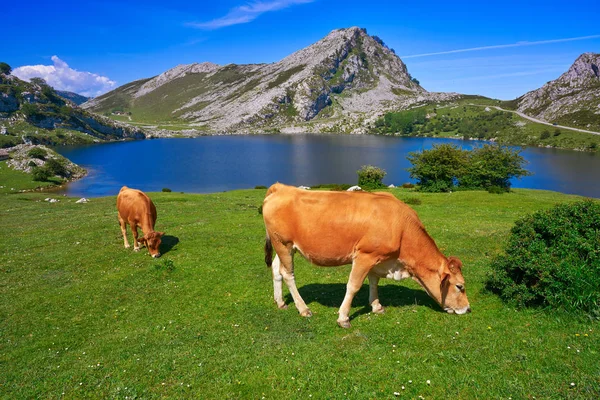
x: 354, y: 188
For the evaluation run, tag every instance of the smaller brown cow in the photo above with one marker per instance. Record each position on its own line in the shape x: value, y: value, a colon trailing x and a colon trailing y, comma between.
x: 136, y: 209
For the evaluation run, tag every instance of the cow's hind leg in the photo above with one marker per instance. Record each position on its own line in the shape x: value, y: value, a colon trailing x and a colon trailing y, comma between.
x: 360, y: 269
x: 278, y: 283
x: 123, y: 224
x: 286, y: 269
x: 376, y: 307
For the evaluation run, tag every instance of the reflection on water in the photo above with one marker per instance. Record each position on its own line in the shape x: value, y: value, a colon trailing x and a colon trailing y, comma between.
x: 218, y: 163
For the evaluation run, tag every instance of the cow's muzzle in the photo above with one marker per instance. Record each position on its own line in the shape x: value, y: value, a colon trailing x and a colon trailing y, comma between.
x: 458, y: 311
x: 156, y: 255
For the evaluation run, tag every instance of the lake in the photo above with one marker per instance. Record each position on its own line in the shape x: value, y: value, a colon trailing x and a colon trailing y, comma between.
x: 219, y: 163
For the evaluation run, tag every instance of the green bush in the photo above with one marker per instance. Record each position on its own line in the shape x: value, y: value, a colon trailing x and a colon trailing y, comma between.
x: 436, y: 170
x: 166, y: 190
x: 414, y: 201
x: 41, y: 174
x: 492, y: 165
x: 37, y: 152
x: 56, y: 167
x: 370, y: 177
x: 552, y: 260
x: 260, y: 187
x: 446, y: 166
x: 5, y: 68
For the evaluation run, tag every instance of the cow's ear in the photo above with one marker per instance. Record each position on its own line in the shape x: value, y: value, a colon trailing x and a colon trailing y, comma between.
x: 454, y: 264
x: 142, y: 239
x: 160, y: 234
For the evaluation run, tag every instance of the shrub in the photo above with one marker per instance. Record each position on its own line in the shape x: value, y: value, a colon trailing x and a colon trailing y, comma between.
x: 414, y: 201
x: 496, y: 190
x: 492, y: 165
x: 445, y: 166
x: 31, y: 164
x: 37, y: 152
x: 408, y: 185
x: 436, y: 170
x: 552, y: 260
x: 166, y: 190
x: 56, y: 167
x: 370, y: 177
x: 5, y: 68
x: 260, y: 187
x: 41, y: 174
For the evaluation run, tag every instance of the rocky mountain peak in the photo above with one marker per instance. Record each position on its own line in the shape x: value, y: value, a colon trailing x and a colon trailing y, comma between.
x: 348, y: 74
x: 572, y: 98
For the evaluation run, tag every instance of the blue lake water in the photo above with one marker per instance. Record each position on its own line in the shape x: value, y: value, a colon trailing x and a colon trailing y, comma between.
x: 219, y: 163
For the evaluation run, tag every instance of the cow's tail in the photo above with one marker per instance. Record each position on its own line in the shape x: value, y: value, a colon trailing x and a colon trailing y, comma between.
x: 268, y: 252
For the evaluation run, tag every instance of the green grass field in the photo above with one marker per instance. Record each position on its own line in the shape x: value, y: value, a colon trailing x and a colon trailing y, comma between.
x: 82, y: 317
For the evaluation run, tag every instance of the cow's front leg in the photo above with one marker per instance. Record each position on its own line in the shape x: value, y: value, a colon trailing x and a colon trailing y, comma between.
x: 136, y: 245
x: 278, y: 283
x: 287, y: 271
x: 124, y: 232
x: 360, y: 268
x: 376, y: 307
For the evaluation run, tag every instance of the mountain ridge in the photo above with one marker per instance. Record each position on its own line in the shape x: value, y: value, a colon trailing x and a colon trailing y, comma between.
x: 346, y: 75
x: 572, y: 99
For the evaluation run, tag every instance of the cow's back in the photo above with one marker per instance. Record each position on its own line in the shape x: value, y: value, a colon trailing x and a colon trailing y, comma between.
x: 135, y: 205
x: 329, y: 227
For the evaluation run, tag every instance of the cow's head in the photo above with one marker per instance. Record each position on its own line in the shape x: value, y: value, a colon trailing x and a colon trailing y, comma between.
x: 152, y: 242
x: 452, y: 288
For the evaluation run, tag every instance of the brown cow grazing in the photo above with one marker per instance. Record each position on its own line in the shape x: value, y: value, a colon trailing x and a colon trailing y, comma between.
x: 377, y: 233
x: 136, y: 209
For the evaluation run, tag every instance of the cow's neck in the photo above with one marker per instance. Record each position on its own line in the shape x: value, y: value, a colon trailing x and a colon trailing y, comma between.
x: 424, y: 262
x: 147, y: 227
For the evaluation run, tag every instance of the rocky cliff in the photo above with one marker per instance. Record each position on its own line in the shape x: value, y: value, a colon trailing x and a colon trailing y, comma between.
x: 345, y: 78
x: 572, y: 99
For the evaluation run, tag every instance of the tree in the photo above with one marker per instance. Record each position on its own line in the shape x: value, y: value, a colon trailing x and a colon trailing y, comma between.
x: 492, y: 166
x: 438, y: 169
x: 37, y: 152
x: 5, y: 68
x: 38, y: 81
x: 370, y: 177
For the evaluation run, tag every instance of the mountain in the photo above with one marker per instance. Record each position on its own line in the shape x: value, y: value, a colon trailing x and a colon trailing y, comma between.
x: 74, y: 97
x: 573, y: 99
x: 33, y: 112
x: 339, y: 83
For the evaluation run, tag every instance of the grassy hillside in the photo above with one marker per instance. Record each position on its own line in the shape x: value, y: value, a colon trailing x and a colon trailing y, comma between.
x: 475, y: 117
x: 82, y: 317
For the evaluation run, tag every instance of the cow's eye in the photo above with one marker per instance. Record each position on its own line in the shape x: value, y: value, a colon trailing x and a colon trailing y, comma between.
x: 460, y: 287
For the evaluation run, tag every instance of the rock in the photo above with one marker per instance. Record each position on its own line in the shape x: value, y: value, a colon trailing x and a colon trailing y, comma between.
x: 82, y: 200
x: 304, y: 187
x: 354, y: 188
x: 391, y: 186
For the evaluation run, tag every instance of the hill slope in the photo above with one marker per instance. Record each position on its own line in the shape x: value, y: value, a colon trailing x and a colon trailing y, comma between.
x: 346, y: 75
x: 33, y: 112
x: 74, y: 97
x: 573, y: 99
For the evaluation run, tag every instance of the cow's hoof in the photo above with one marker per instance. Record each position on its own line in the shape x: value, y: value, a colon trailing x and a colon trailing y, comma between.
x: 306, y: 313
x: 127, y: 246
x: 136, y: 249
x: 379, y: 310
x: 282, y: 306
x: 344, y: 324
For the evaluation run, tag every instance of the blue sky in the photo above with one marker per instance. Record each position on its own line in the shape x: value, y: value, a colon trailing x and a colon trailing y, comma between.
x: 93, y: 46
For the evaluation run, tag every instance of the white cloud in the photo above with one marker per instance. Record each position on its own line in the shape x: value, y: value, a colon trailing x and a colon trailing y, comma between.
x: 503, y: 46
x: 62, y: 77
x: 247, y: 13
